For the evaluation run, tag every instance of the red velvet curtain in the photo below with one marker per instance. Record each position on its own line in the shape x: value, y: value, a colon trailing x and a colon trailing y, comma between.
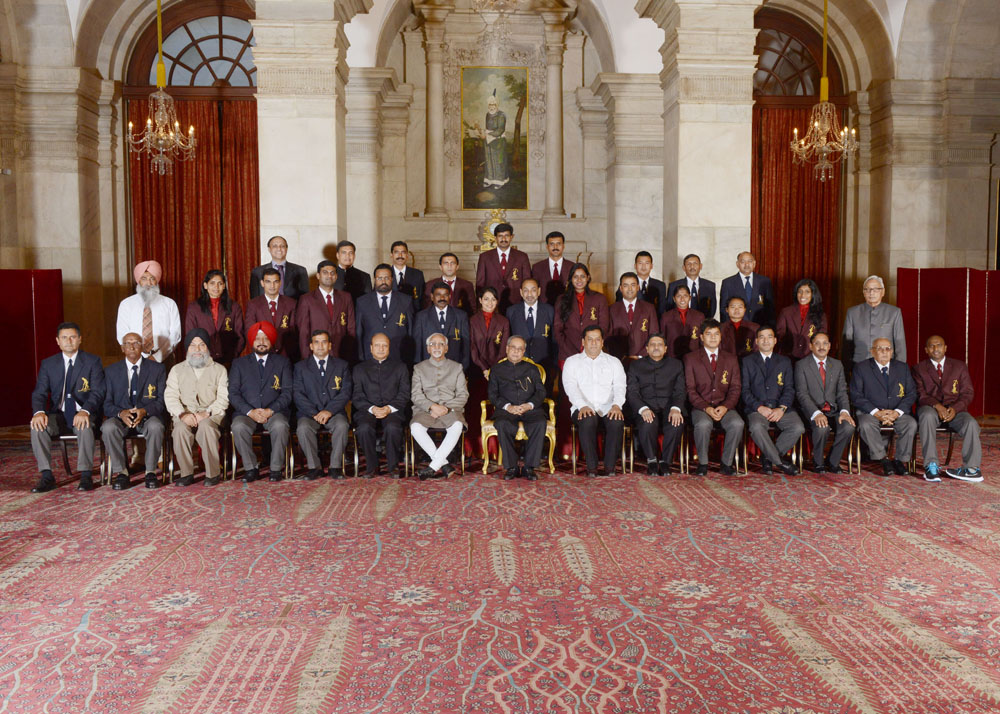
x: 793, y: 219
x: 205, y: 215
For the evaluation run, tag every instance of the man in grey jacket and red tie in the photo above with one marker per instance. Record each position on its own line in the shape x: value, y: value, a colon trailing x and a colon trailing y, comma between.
x: 821, y: 389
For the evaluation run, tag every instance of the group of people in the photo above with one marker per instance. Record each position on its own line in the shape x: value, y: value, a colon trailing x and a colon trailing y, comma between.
x: 396, y: 350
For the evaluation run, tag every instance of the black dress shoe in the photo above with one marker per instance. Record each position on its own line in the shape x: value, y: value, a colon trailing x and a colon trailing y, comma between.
x: 447, y: 470
x: 250, y: 475
x: 337, y: 474
x: 86, y: 482
x: 834, y: 469
x: 152, y: 481
x: 652, y: 468
x: 701, y: 470
x: 276, y: 476
x: 313, y: 474
x: 45, y: 483
x: 665, y: 468
x: 818, y: 469
x: 766, y: 467
x: 530, y: 474
x: 788, y: 468
x: 901, y: 468
x: 425, y: 473
x: 213, y: 481
x: 121, y: 482
x: 511, y: 474
x: 887, y: 468
x: 726, y: 470
x: 184, y: 481
x: 602, y: 470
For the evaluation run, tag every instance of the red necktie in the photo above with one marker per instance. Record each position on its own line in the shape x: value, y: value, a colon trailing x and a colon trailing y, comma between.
x: 503, y: 263
x: 940, y: 373
x: 822, y: 378
x: 713, y: 363
x: 451, y: 284
x: 329, y: 306
x: 555, y: 272
x: 274, y: 310
x: 631, y: 313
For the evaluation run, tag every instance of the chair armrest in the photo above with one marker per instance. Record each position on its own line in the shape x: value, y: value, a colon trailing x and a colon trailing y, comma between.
x: 484, y: 405
x: 552, y: 410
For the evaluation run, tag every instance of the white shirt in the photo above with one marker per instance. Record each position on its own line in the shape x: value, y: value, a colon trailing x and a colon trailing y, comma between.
x: 596, y: 383
x: 626, y: 303
x: 397, y: 270
x: 166, y: 323
x: 824, y: 361
x: 553, y: 264
x: 324, y: 293
x: 502, y: 253
x: 692, y: 284
x: 711, y: 352
x: 939, y: 364
x: 326, y: 362
x: 534, y: 311
x: 744, y: 278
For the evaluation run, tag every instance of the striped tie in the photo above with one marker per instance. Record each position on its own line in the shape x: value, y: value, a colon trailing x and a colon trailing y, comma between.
x: 147, y: 330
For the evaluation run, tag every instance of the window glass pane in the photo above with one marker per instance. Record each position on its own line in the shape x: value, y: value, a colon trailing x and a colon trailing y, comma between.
x: 231, y: 48
x: 204, y: 27
x: 239, y: 78
x: 191, y: 57
x: 176, y: 42
x: 221, y: 67
x: 235, y: 27
x: 204, y: 78
x: 180, y: 77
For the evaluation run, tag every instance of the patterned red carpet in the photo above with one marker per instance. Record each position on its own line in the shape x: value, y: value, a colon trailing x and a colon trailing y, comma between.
x: 628, y: 594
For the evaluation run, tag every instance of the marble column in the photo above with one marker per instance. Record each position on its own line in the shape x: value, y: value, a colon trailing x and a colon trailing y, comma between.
x: 707, y: 77
x: 555, y: 46
x: 434, y: 16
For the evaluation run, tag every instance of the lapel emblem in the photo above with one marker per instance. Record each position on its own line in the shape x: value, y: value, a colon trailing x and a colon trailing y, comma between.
x: 694, y: 333
x: 499, y: 335
x: 747, y: 347
x: 402, y: 320
x: 593, y: 314
x: 460, y: 303
x: 458, y: 334
x: 150, y: 391
x: 812, y: 331
x: 725, y: 376
x: 781, y: 379
x: 343, y: 320
x: 284, y: 322
x: 415, y: 296
x: 645, y: 325
x: 902, y: 392
x: 336, y: 382
x: 954, y: 387
x: 277, y: 383
x: 228, y: 326
x: 84, y: 384
x: 546, y: 333
x: 513, y: 275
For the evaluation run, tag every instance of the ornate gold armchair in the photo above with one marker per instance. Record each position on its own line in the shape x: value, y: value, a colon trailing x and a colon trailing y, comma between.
x: 489, y: 429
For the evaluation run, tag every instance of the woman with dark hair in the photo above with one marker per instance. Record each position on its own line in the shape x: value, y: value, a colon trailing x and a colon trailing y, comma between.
x: 798, y: 322
x: 681, y: 325
x: 218, y: 315
x: 578, y: 309
x: 489, y: 330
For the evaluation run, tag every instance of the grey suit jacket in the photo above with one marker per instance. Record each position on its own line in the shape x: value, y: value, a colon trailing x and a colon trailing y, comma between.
x: 863, y: 325
x: 443, y: 383
x: 809, y: 388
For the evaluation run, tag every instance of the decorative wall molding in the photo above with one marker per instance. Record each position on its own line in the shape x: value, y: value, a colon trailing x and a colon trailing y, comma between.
x: 297, y: 80
x: 713, y: 88
x: 639, y: 155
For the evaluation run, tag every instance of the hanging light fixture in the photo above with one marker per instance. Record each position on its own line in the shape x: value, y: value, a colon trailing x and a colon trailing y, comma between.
x: 162, y: 138
x: 825, y: 142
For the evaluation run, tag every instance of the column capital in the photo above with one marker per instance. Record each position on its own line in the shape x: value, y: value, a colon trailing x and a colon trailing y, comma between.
x: 300, y: 57
x: 434, y: 12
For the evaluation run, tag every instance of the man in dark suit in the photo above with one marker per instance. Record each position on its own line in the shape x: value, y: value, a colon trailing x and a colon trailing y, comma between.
x: 518, y: 396
x: 327, y: 309
x: 702, y: 291
x: 552, y: 273
x: 883, y: 393
x: 534, y: 321
x: 277, y: 309
x: 655, y: 394
x: 294, y: 278
x: 387, y: 311
x: 632, y: 319
x: 260, y: 392
x: 712, y: 379
x: 449, y: 321
x: 405, y: 279
x: 381, y: 396
x: 739, y: 335
x: 755, y: 289
x: 944, y: 390
x: 133, y: 405
x: 463, y: 292
x: 821, y: 389
x: 323, y: 387
x: 350, y: 279
x: 71, y: 385
x: 651, y: 290
x: 768, y: 393
x: 503, y: 268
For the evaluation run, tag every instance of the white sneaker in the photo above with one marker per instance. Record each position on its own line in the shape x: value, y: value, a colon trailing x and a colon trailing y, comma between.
x: 965, y: 474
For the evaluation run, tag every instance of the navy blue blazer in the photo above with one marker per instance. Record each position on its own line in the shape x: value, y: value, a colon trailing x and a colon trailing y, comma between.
x: 413, y: 284
x: 761, y: 308
x: 456, y: 327
x: 542, y: 342
x: 771, y: 387
x: 869, y: 391
x: 86, y: 384
x: 656, y: 293
x: 247, y: 390
x: 397, y: 327
x: 314, y: 394
x: 152, y: 382
x: 706, y: 303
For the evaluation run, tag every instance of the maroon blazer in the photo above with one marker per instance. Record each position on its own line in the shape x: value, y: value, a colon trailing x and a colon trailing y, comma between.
x: 507, y: 284
x: 954, y: 391
x: 739, y: 342
x: 794, y: 336
x: 705, y: 389
x: 626, y: 340
x: 551, y: 289
x: 287, y: 343
x: 463, y: 295
x: 311, y: 314
x: 682, y: 336
x: 569, y: 333
x: 229, y: 336
x: 488, y: 347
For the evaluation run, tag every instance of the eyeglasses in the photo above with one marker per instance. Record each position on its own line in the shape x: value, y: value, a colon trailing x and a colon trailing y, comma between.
x: 873, y: 290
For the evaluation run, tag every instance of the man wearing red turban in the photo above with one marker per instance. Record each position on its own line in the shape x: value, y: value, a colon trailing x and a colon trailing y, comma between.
x: 152, y: 316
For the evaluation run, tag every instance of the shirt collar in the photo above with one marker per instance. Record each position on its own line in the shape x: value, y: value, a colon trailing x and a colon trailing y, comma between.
x: 503, y: 252
x: 272, y: 299
x: 626, y: 303
x: 260, y: 358
x: 691, y: 283
x: 325, y: 292
x: 325, y: 359
x: 743, y: 278
x: 276, y: 263
x: 553, y: 263
x: 711, y: 352
x: 71, y: 357
x: 818, y: 360
x: 941, y: 363
x: 439, y: 310
x: 526, y: 306
x: 130, y: 365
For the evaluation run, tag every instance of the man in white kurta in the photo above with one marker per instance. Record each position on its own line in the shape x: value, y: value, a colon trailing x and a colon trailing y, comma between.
x: 152, y: 316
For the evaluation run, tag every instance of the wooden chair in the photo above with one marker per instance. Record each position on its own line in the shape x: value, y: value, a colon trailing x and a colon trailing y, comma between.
x: 64, y: 442
x: 488, y: 428
x: 107, y: 476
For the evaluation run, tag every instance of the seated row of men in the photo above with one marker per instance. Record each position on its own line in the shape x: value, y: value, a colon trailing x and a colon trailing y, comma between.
x: 135, y: 395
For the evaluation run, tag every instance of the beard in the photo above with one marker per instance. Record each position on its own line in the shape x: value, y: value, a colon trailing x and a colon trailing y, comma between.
x: 199, y: 360
x: 148, y: 294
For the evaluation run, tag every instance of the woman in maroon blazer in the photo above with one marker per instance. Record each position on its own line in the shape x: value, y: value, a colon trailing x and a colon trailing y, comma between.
x: 576, y: 310
x: 489, y: 330
x: 798, y: 322
x: 681, y: 326
x: 218, y: 315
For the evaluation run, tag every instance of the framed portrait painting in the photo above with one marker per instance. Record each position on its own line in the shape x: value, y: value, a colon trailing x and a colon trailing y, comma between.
x: 495, y: 137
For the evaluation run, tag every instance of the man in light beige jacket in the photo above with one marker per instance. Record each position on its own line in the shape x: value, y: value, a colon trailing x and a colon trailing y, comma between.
x: 439, y: 392
x: 197, y: 396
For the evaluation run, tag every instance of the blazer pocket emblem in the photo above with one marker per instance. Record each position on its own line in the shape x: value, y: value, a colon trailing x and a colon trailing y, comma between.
x: 781, y: 379
x: 458, y: 334
x: 954, y: 387
x: 343, y: 319
x: 499, y: 335
x: 150, y: 391
x: 725, y: 376
x: 284, y: 322
x: 760, y: 299
x: 336, y: 382
x: 277, y: 383
x: 747, y: 346
x: 593, y: 313
x: 694, y: 333
x: 84, y: 384
x: 228, y: 325
x: 402, y: 320
x: 812, y: 331
x: 902, y: 392
x: 645, y: 325
x: 546, y: 333
x: 513, y: 276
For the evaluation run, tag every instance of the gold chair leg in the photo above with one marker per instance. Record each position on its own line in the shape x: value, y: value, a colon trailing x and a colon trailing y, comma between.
x: 552, y: 451
x: 484, y: 444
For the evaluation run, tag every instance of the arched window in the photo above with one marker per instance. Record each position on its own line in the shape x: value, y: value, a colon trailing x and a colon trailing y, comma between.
x: 789, y: 61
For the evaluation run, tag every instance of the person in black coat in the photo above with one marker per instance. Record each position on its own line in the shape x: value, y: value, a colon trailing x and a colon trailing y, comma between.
x: 68, y: 398
x: 350, y: 279
x: 651, y: 290
x: 759, y: 298
x: 518, y: 395
x: 655, y: 394
x: 133, y: 405
x: 540, y: 332
x: 702, y: 291
x: 406, y: 280
x: 323, y: 387
x: 381, y: 396
x: 260, y: 392
x: 768, y: 394
x: 395, y: 322
x: 454, y: 325
x: 294, y: 278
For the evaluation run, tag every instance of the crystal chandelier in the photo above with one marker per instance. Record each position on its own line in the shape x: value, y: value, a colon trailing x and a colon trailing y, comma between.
x: 162, y: 138
x: 825, y: 142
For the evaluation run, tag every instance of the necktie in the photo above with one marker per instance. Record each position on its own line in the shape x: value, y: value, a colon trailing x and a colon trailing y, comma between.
x: 555, y: 272
x: 329, y: 306
x: 385, y: 308
x: 147, y: 330
x: 274, y: 310
x: 451, y: 285
x: 822, y: 378
x: 713, y: 363
x: 694, y: 294
x: 940, y: 373
x: 631, y: 313
x: 281, y: 283
x: 400, y: 277
x: 885, y: 378
x: 260, y: 365
x: 643, y: 287
x: 69, y: 405
x: 441, y: 319
x: 133, y: 388
x: 767, y: 361
x: 322, y: 368
x: 749, y: 290
x: 503, y: 263
x: 531, y: 321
